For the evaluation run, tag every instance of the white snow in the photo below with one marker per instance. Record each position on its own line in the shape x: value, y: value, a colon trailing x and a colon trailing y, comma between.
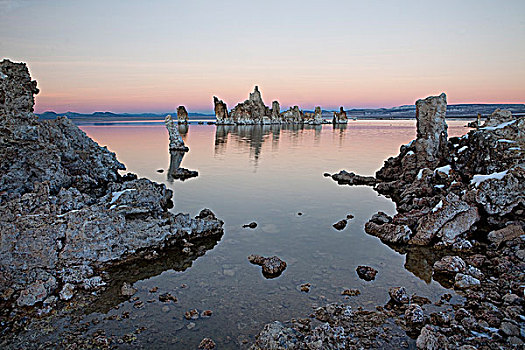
x: 462, y: 149
x: 410, y: 153
x: 477, y: 179
x: 2, y: 75
x: 514, y: 149
x: 116, y: 195
x: 444, y: 169
x: 439, y: 186
x: 420, y: 174
x: 410, y: 143
x: 438, y: 206
x: 506, y: 141
x: 500, y: 126
x: 71, y: 211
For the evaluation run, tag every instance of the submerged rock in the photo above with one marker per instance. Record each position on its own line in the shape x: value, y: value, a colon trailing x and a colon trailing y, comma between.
x: 346, y: 178
x: 271, y: 267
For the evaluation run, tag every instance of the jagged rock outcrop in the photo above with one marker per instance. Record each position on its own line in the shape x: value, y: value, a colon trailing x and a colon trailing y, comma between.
x: 443, y: 187
x: 176, y: 141
x: 251, y: 111
x: 65, y: 212
x: 221, y: 112
x: 431, y: 141
x: 182, y: 115
x: 340, y: 117
x: 276, y: 112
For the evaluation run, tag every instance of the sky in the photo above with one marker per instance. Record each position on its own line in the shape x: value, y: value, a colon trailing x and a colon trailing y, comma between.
x: 151, y: 56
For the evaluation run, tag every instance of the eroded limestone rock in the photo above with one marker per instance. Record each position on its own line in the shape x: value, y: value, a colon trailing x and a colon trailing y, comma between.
x: 182, y: 115
x: 176, y: 142
x: 431, y: 128
x: 65, y: 212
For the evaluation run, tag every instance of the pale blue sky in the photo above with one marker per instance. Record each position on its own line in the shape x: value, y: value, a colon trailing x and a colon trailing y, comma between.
x: 155, y: 55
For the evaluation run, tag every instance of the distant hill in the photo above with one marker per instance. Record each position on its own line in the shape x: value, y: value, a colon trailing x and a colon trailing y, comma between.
x: 110, y: 116
x: 401, y: 112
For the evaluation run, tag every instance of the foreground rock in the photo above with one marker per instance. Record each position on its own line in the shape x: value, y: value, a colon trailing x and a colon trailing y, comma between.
x: 366, y: 273
x: 65, y: 212
x: 271, y: 267
x: 463, y: 199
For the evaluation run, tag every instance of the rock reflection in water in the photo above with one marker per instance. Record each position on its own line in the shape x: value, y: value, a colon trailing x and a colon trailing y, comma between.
x: 175, y: 171
x: 255, y: 135
x: 420, y: 261
x: 130, y: 272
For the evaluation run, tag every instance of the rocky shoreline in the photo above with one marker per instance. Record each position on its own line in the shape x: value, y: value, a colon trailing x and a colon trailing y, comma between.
x: 463, y: 198
x: 66, y: 213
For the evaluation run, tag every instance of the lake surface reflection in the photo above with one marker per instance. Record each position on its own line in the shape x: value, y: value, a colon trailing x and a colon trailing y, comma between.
x: 267, y: 174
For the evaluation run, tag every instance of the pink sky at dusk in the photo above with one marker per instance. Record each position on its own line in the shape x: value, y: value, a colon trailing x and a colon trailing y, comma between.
x: 133, y: 56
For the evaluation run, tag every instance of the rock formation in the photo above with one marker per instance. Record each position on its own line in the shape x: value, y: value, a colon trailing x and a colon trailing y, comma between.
x: 271, y: 267
x: 431, y: 127
x: 275, y: 111
x: 65, y: 212
x: 251, y: 111
x: 182, y: 115
x: 221, y: 112
x: 254, y: 111
x: 464, y: 196
x: 340, y: 117
x: 176, y: 142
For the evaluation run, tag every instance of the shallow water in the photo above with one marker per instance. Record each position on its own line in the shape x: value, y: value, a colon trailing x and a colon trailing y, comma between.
x: 266, y: 174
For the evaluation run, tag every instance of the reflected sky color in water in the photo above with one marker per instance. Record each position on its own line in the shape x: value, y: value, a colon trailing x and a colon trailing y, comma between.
x: 269, y: 174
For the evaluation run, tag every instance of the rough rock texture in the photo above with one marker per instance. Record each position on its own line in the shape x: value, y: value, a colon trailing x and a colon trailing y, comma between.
x: 251, y: 111
x: 450, y: 265
x: 271, y: 267
x: 460, y: 219
x: 221, y: 112
x: 399, y: 295
x: 447, y: 190
x: 176, y: 142
x: 182, y: 115
x: 447, y: 221
x: 366, y: 273
x: 431, y: 141
x: 65, y: 212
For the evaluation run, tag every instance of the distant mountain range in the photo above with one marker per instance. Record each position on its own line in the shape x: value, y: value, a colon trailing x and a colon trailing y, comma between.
x: 401, y: 112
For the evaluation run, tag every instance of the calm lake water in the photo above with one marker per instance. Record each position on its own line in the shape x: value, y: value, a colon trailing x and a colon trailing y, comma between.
x: 266, y: 174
